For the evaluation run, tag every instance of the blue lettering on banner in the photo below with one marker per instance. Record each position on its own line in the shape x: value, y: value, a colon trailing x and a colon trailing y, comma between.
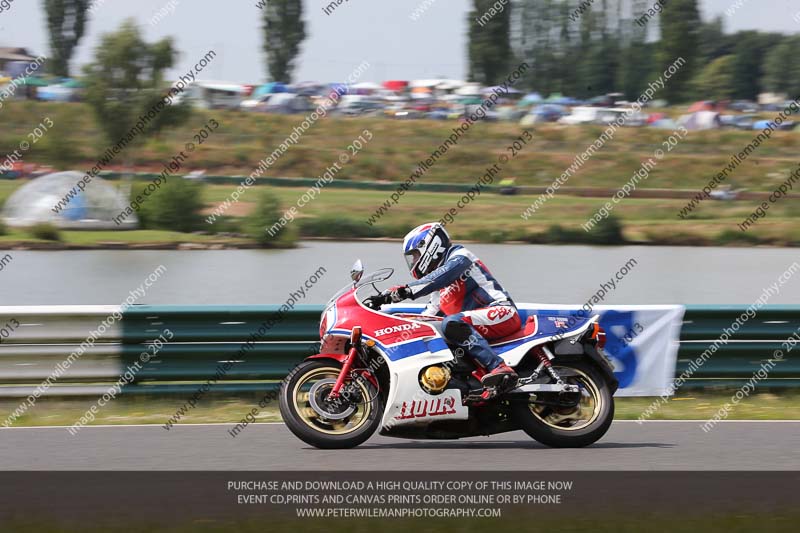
x: 622, y: 354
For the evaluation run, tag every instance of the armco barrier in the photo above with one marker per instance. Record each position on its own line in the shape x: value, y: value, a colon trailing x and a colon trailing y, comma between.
x: 205, y: 337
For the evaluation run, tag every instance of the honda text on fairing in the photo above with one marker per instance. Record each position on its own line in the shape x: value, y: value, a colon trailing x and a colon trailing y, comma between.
x: 381, y: 369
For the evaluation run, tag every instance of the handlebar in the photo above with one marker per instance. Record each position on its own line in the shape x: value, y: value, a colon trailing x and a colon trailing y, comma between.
x: 376, y: 301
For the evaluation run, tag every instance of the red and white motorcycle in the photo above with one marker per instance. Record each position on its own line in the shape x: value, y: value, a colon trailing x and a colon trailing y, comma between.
x: 381, y: 368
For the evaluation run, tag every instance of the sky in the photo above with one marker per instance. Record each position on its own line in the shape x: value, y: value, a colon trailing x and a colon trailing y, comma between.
x: 380, y: 32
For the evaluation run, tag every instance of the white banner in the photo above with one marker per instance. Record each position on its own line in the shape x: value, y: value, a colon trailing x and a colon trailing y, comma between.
x: 642, y: 342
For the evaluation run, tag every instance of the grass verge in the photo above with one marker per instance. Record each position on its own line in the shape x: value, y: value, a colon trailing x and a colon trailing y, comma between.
x: 488, y: 218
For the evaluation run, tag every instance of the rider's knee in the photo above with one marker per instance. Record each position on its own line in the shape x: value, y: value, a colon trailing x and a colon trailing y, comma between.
x: 455, y: 329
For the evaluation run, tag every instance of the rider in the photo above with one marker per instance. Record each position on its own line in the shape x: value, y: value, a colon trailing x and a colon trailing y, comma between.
x: 475, y: 305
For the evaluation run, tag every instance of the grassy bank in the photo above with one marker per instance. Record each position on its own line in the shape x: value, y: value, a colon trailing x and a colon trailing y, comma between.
x: 686, y: 405
x: 495, y: 218
x: 397, y: 146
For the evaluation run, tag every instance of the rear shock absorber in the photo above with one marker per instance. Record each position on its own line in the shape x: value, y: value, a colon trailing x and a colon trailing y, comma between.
x: 544, y: 355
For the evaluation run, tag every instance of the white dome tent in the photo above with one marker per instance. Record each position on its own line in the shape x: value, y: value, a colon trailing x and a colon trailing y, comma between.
x: 93, y: 208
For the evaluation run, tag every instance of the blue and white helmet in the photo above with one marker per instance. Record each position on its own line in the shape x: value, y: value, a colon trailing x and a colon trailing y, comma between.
x: 425, y: 247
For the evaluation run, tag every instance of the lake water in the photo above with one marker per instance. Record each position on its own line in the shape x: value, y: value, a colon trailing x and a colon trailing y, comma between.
x: 532, y: 273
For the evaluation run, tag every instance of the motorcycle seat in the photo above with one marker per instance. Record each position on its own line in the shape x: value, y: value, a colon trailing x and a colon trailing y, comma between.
x: 529, y: 328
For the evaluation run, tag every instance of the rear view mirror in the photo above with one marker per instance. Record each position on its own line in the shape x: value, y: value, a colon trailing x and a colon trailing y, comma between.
x: 357, y: 271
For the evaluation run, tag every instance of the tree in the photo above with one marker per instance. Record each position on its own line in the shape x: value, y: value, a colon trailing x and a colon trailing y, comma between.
x: 781, y: 69
x: 635, y: 65
x: 585, y: 49
x: 715, y: 81
x: 66, y: 21
x: 489, y: 47
x: 125, y: 81
x: 541, y: 36
x: 713, y: 42
x: 680, y: 24
x: 175, y: 207
x: 750, y: 51
x: 603, y: 53
x: 284, y: 30
x: 265, y: 215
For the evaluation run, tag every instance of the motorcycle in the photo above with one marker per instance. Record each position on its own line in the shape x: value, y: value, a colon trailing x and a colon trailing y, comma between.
x: 381, y: 368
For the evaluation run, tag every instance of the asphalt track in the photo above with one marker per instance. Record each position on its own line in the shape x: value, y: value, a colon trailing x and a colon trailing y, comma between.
x: 667, y: 445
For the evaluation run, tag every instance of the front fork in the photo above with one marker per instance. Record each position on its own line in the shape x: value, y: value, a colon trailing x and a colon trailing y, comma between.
x: 347, y: 365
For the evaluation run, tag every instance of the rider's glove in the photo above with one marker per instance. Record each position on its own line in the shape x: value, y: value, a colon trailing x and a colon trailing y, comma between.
x: 399, y: 293
x: 375, y: 302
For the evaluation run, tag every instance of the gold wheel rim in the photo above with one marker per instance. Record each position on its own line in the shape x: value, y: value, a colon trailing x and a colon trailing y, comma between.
x: 573, y: 419
x: 313, y: 419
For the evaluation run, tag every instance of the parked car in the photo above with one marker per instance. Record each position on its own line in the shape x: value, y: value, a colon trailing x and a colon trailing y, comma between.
x: 214, y: 95
x: 581, y: 115
x: 632, y: 118
x: 742, y: 122
x: 543, y: 113
x: 606, y: 100
x: 360, y: 108
x: 725, y: 193
x: 743, y: 106
x: 399, y: 110
x: 252, y: 104
x: 604, y: 116
x: 787, y: 125
x: 286, y: 104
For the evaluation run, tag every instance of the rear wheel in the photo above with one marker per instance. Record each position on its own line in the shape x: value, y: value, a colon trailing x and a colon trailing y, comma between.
x: 569, y: 420
x: 319, y: 421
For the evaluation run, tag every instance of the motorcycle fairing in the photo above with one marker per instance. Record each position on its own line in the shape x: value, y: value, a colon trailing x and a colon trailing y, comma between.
x: 407, y: 403
x: 397, y: 338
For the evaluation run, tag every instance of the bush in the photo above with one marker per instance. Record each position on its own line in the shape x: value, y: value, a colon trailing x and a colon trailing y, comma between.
x: 493, y: 235
x: 227, y: 224
x: 266, y: 214
x: 607, y: 231
x: 339, y: 228
x: 556, y: 234
x: 45, y: 232
x: 175, y: 206
x: 730, y: 236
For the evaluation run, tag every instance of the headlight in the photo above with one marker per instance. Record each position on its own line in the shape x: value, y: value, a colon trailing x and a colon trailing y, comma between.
x: 323, y: 325
x: 327, y: 320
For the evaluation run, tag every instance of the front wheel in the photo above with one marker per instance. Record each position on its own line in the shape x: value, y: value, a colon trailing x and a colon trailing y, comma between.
x: 569, y: 422
x: 315, y: 419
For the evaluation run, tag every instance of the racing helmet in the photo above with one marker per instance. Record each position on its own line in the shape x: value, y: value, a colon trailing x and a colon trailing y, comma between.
x: 425, y: 247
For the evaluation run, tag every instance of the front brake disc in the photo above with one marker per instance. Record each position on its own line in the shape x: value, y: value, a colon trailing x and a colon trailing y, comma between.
x: 318, y: 398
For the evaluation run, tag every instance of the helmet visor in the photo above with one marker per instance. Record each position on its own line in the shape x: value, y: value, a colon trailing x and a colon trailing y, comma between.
x: 412, y: 257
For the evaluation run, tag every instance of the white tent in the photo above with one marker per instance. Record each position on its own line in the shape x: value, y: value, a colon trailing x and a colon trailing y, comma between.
x: 367, y: 86
x: 424, y: 83
x: 470, y: 89
x: 450, y: 85
x: 95, y: 207
x: 701, y: 120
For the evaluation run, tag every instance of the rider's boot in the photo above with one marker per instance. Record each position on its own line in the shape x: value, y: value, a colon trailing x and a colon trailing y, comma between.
x: 500, y: 379
x: 499, y: 374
